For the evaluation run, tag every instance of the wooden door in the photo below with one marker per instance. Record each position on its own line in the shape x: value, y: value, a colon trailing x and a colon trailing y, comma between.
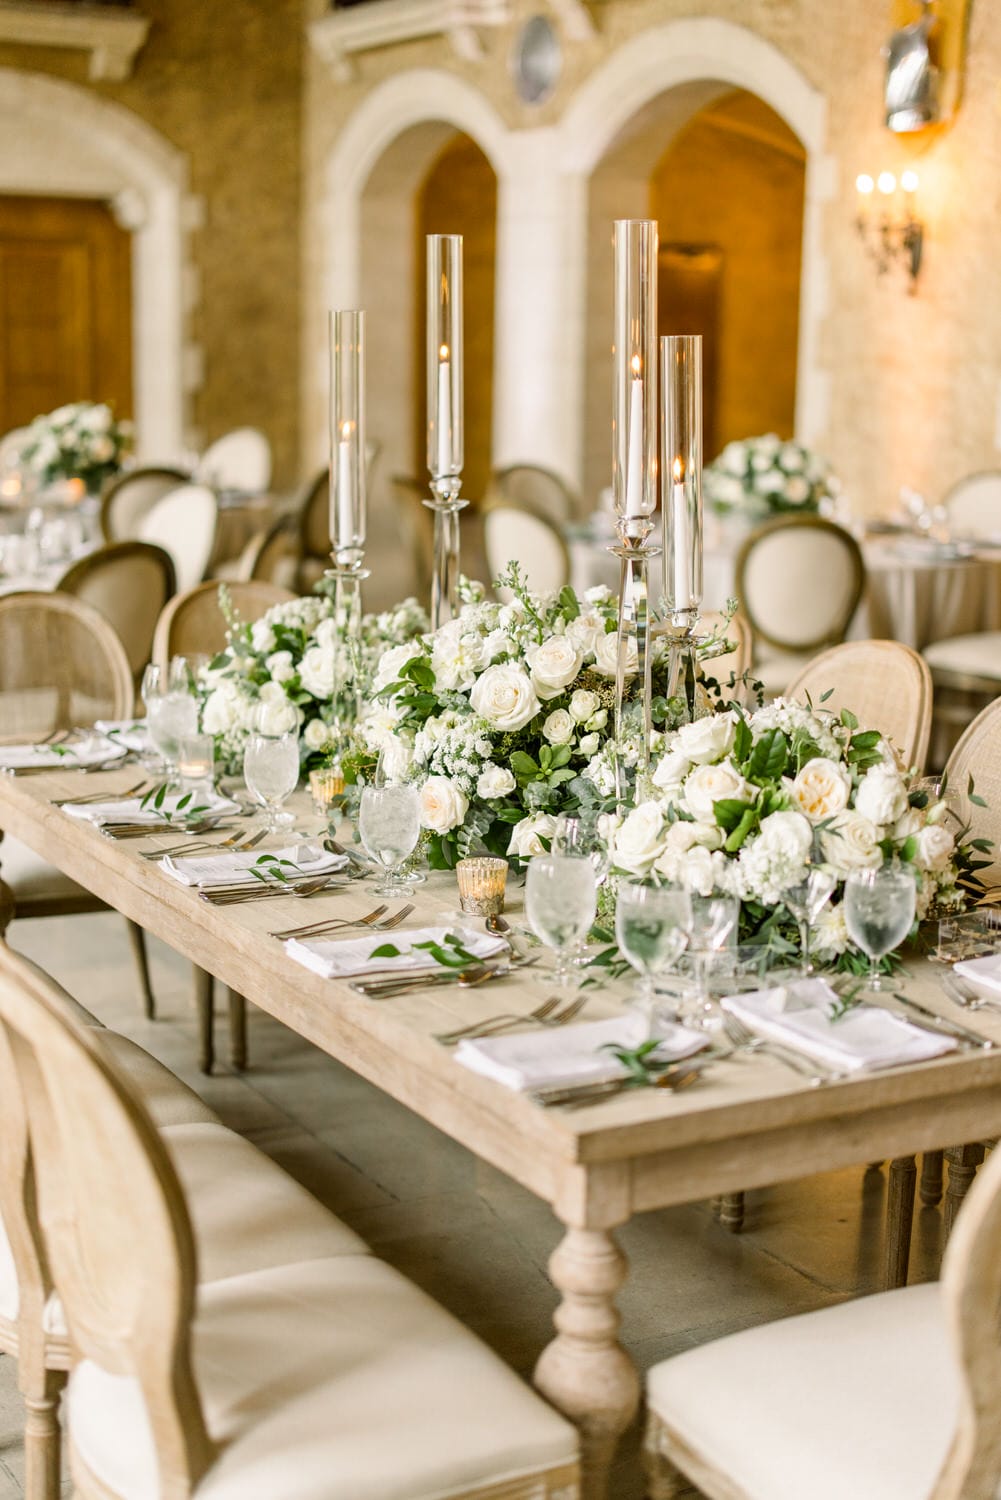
x: 65, y: 307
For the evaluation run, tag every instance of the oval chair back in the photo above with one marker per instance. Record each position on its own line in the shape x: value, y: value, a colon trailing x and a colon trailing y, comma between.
x: 128, y: 497
x: 194, y: 624
x: 183, y: 522
x: 978, y: 756
x: 536, y: 489
x: 799, y: 582
x: 514, y: 534
x: 130, y: 583
x: 61, y: 665
x: 239, y: 460
x: 273, y: 555
x: 974, y: 506
x: 885, y: 684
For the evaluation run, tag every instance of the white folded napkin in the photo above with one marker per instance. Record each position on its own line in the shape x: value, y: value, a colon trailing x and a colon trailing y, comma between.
x: 132, y: 733
x: 132, y: 811
x: 343, y: 958
x: 798, y: 1015
x: 233, y: 867
x: 984, y: 972
x: 87, y: 750
x: 571, y: 1054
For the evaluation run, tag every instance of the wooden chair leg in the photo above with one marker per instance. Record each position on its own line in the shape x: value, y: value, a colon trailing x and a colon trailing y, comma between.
x: 237, y: 1031
x: 137, y: 940
x: 42, y: 1440
x: 963, y: 1163
x: 930, y: 1186
x: 664, y: 1479
x: 205, y: 1009
x: 731, y: 1212
x: 899, y: 1216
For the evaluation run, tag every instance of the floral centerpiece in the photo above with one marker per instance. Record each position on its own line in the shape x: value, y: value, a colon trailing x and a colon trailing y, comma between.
x: 764, y: 476
x: 743, y: 803
x: 505, y: 716
x: 295, y: 652
x: 80, y: 441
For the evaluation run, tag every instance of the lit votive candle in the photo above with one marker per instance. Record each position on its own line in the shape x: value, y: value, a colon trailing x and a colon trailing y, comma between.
x: 325, y: 786
x: 481, y: 885
x: 195, y: 762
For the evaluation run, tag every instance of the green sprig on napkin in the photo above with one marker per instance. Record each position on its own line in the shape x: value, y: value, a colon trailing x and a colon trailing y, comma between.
x: 450, y: 954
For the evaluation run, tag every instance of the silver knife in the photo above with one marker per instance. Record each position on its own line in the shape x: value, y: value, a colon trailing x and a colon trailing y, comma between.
x: 944, y: 1025
x: 384, y: 989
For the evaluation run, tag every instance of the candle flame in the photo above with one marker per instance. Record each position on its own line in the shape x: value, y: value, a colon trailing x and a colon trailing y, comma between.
x: 636, y: 365
x: 346, y: 430
x: 443, y: 353
x: 678, y: 469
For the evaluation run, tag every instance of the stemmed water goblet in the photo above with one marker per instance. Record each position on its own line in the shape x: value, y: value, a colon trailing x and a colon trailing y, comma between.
x: 390, y: 826
x: 651, y: 927
x: 879, y: 910
x: 560, y: 902
x: 805, y: 901
x: 577, y: 834
x: 171, y: 716
x: 271, y: 761
x: 714, y: 918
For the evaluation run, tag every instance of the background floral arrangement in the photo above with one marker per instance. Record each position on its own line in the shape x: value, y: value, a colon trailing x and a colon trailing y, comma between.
x: 763, y: 476
x: 295, y: 652
x: 79, y: 441
x: 505, y: 717
x: 743, y: 803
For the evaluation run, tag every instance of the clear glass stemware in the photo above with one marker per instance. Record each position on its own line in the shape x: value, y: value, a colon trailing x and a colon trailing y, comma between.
x: 651, y: 927
x: 560, y: 902
x: 713, y: 919
x: 879, y: 911
x: 390, y: 826
x: 805, y: 901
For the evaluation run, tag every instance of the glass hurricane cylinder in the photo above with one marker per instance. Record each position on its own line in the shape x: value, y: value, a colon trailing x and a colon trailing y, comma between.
x: 681, y: 475
x: 347, y: 437
x: 445, y: 417
x: 634, y: 375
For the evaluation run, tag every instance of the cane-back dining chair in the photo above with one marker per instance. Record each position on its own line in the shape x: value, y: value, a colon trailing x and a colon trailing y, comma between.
x: 534, y: 488
x: 61, y: 667
x: 799, y: 581
x: 184, y: 523
x: 324, y: 1372
x: 885, y: 684
x: 130, y: 583
x: 127, y: 498
x: 274, y: 555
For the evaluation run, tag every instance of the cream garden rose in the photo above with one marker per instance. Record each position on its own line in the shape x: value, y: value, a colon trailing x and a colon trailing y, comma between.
x: 583, y: 704
x: 505, y: 697
x: 559, y: 727
x: 852, y: 843
x: 821, y: 789
x: 606, y: 656
x: 526, y: 836
x: 706, y: 739
x: 443, y: 804
x: 882, y: 795
x: 494, y: 781
x: 935, y: 847
x: 554, y: 665
x: 708, y: 785
x: 640, y: 838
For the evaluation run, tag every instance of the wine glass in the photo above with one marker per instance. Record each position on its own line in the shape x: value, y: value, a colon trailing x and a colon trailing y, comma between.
x: 713, y: 919
x: 651, y: 928
x: 805, y: 901
x: 415, y: 875
x: 577, y: 835
x: 390, y: 824
x: 879, y: 911
x: 170, y: 718
x: 560, y: 900
x: 271, y: 762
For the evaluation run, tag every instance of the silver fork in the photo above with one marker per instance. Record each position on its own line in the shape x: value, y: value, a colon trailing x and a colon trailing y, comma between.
x: 543, y: 1015
x: 333, y: 924
x: 960, y: 994
x: 238, y: 842
x: 746, y: 1041
x: 135, y: 791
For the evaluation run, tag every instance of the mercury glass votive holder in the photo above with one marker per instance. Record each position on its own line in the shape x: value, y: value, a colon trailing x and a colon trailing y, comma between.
x: 325, y: 785
x: 196, y: 762
x: 481, y: 885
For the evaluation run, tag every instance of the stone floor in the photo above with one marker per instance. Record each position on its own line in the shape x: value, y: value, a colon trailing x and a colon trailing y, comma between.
x: 470, y: 1237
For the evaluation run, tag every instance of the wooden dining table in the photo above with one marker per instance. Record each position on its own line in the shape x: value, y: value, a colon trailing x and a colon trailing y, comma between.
x: 746, y: 1123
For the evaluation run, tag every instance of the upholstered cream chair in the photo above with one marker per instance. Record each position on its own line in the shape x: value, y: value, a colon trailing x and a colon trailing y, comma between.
x: 966, y: 671
x: 326, y: 1373
x: 799, y: 582
x: 974, y: 506
x: 127, y: 497
x: 530, y: 487
x: 183, y: 522
x: 892, y: 1397
x: 239, y: 460
x: 513, y: 533
x: 61, y: 667
x: 130, y: 583
x: 885, y: 684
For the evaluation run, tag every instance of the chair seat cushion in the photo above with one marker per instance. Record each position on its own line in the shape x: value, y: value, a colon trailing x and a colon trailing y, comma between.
x: 33, y: 880
x: 333, y: 1378
x: 972, y: 655
x: 857, y: 1401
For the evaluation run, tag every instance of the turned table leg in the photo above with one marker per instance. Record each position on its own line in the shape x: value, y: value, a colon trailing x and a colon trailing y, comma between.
x: 585, y: 1372
x: 731, y: 1212
x: 963, y: 1163
x: 237, y: 1030
x: 931, y: 1178
x: 899, y: 1214
x: 41, y: 1447
x: 206, y: 1017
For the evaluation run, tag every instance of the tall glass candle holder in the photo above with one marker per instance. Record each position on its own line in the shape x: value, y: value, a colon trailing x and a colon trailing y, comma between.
x: 445, y: 393
x: 681, y: 509
x: 634, y: 457
x: 348, y: 507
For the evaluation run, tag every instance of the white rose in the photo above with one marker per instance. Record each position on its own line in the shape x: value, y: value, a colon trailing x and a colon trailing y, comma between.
x: 598, y: 720
x: 280, y: 666
x: 586, y: 631
x: 707, y: 739
x: 527, y: 836
x: 598, y: 593
x: 700, y: 872
x: 554, y: 665
x: 505, y: 697
x: 787, y: 835
x: 315, y: 734
x: 606, y: 655
x: 262, y: 637
x: 497, y: 644
x: 852, y: 843
x: 640, y: 839
x: 559, y: 727
x: 882, y: 795
x: 797, y: 489
x: 708, y: 785
x: 392, y: 662
x: 734, y: 458
x: 443, y: 804
x: 829, y: 933
x: 102, y: 449
x: 790, y: 458
x: 671, y: 770
x: 935, y: 847
x: 316, y: 672
x: 274, y: 718
x: 272, y: 693
x: 588, y: 745
x: 582, y: 705
x: 821, y: 789
x: 908, y: 824
x: 397, y: 756
x: 494, y: 781
x: 222, y: 709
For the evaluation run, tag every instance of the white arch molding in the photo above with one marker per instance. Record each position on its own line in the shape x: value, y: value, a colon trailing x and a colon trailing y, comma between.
x: 63, y: 141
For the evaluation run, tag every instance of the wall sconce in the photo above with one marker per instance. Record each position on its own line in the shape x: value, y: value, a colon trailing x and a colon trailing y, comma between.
x: 888, y: 233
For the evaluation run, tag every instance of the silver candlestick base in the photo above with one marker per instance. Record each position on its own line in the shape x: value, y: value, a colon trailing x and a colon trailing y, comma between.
x: 446, y: 505
x: 347, y: 576
x: 684, y: 684
x: 634, y: 624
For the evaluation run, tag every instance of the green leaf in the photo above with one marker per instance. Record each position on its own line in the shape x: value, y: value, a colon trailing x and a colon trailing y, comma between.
x: 728, y: 811
x: 567, y: 602
x: 420, y: 672
x: 848, y: 719
x: 866, y: 740
x: 740, y: 833
x: 829, y: 694
x: 388, y: 950
x: 218, y: 662
x: 561, y: 756
x: 909, y: 849
x: 742, y: 740
x: 769, y: 756
x: 522, y: 764
x: 565, y: 773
